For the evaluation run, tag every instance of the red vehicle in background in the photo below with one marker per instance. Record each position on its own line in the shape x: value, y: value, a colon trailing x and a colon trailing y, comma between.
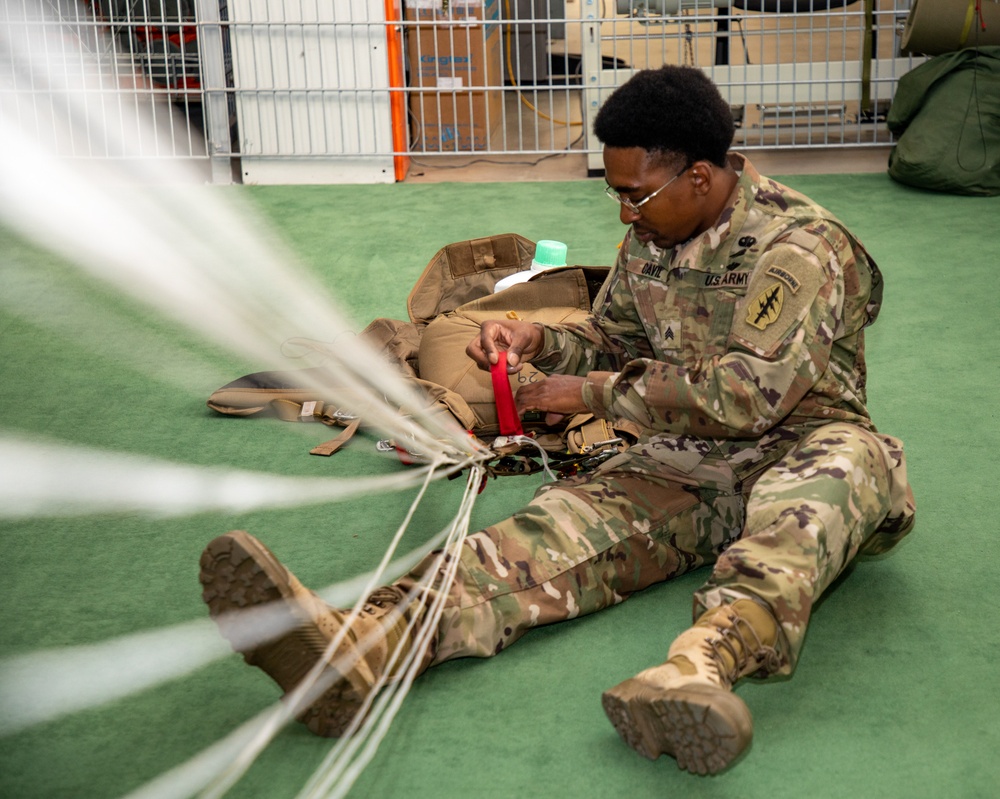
x: 161, y: 39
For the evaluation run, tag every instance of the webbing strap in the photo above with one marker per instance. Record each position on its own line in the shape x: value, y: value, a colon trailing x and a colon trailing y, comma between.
x: 510, y: 423
x: 329, y: 447
x: 292, y: 411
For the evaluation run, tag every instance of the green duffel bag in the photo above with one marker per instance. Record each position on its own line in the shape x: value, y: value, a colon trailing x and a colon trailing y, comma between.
x: 946, y: 115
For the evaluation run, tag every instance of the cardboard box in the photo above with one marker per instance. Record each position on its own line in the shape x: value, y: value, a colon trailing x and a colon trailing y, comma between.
x: 454, y: 56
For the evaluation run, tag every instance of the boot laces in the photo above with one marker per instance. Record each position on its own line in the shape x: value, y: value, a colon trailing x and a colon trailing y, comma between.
x: 383, y: 598
x: 380, y: 604
x: 741, y: 648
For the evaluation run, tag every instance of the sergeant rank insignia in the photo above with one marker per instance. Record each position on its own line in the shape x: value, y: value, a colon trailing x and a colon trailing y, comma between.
x: 765, y: 308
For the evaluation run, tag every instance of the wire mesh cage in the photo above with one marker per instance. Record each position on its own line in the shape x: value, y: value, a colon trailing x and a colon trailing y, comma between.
x: 348, y: 90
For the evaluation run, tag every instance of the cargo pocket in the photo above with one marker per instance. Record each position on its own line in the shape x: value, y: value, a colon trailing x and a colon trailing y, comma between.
x: 902, y: 506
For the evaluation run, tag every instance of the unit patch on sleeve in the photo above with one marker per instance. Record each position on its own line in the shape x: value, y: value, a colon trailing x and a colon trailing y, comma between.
x: 781, y: 292
x: 765, y: 308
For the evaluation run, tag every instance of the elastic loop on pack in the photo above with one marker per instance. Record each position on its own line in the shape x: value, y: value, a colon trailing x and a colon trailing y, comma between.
x: 510, y: 423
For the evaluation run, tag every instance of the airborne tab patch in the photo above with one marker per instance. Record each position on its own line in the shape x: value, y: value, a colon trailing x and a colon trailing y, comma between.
x: 765, y: 308
x: 785, y: 277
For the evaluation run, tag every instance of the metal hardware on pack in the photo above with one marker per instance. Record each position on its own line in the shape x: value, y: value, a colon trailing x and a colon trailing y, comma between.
x: 579, y: 465
x: 586, y: 449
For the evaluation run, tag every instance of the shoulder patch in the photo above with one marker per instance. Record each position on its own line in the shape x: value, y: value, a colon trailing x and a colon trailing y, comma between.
x: 765, y: 308
x: 780, y: 295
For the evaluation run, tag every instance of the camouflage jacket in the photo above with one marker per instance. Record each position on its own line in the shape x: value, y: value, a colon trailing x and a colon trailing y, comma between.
x: 736, y: 342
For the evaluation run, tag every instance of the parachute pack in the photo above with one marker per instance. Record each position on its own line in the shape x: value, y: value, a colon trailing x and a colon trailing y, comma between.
x: 446, y: 306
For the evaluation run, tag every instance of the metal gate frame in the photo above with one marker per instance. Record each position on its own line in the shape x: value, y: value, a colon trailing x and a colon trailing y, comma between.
x: 817, y: 80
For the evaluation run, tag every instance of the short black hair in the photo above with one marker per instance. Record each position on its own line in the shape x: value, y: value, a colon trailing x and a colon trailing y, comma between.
x: 670, y: 110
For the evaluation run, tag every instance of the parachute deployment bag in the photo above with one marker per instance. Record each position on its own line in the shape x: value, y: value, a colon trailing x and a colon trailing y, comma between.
x: 449, y: 301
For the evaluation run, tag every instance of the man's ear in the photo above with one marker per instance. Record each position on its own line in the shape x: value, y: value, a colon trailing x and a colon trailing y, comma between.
x: 701, y: 175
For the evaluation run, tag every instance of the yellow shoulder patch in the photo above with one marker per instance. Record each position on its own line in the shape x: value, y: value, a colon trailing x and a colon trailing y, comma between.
x: 781, y: 291
x: 765, y: 308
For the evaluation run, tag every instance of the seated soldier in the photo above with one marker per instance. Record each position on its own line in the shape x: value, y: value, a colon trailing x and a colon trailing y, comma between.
x: 731, y: 330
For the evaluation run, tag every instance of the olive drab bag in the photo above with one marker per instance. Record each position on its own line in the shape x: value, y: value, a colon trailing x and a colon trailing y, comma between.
x: 945, y: 117
x: 453, y: 295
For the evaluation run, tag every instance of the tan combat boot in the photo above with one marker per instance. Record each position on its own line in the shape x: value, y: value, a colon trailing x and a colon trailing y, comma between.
x: 685, y: 708
x: 238, y: 572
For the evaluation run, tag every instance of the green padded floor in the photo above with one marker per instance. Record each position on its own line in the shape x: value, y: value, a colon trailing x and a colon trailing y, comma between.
x: 895, y: 695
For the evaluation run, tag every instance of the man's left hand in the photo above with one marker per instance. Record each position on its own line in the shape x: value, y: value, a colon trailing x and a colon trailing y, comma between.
x: 557, y: 395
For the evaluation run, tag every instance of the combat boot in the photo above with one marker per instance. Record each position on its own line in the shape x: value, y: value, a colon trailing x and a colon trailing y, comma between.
x: 288, y: 629
x: 685, y: 708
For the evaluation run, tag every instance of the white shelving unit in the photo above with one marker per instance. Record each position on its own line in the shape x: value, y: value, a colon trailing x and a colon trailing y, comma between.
x: 311, y: 86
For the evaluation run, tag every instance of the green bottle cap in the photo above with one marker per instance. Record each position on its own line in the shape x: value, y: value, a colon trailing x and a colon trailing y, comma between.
x: 549, y: 254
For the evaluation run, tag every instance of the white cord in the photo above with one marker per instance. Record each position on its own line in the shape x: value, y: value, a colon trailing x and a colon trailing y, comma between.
x: 541, y: 450
x: 319, y: 678
x: 344, y: 764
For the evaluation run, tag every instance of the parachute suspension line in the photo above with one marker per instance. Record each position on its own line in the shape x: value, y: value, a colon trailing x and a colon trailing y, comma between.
x: 207, y: 267
x: 541, y: 450
x: 34, y: 685
x: 345, y: 763
x: 326, y: 670
x: 388, y: 405
x: 206, y: 264
x: 214, y: 771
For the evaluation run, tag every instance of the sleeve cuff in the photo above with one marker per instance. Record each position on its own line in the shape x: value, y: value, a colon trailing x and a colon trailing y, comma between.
x: 598, y: 393
x: 549, y: 356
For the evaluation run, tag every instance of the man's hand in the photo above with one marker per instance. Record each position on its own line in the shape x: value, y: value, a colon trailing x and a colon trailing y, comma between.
x: 522, y: 340
x: 557, y: 395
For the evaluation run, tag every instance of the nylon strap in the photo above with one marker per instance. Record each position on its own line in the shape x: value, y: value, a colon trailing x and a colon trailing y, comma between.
x: 290, y: 411
x: 329, y: 447
x: 510, y: 423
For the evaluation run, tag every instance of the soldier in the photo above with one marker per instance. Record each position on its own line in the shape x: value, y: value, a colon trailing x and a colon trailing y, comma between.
x: 731, y: 330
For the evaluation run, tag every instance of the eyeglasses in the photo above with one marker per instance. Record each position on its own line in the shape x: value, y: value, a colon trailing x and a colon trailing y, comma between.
x: 635, y: 207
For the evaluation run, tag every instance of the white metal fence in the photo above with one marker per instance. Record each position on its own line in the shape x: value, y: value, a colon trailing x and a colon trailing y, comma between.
x: 346, y: 90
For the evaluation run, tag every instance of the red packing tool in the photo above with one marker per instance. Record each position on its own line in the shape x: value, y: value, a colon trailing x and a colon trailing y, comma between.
x: 510, y: 423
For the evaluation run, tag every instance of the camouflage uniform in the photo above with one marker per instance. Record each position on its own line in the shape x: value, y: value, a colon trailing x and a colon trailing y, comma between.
x: 741, y: 353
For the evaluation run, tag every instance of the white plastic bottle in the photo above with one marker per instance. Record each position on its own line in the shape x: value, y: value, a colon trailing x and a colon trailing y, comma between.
x: 548, y: 255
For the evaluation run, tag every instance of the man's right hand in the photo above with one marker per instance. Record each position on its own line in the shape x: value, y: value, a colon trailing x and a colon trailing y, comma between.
x: 522, y: 341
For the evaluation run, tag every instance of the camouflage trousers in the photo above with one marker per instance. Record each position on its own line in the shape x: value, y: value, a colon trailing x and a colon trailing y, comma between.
x: 582, y: 544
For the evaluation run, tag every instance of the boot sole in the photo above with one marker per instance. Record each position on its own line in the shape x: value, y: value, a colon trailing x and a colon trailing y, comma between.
x: 238, y: 572
x: 704, y: 728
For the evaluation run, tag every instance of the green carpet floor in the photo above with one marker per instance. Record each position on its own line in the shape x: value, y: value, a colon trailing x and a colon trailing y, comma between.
x: 895, y: 695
